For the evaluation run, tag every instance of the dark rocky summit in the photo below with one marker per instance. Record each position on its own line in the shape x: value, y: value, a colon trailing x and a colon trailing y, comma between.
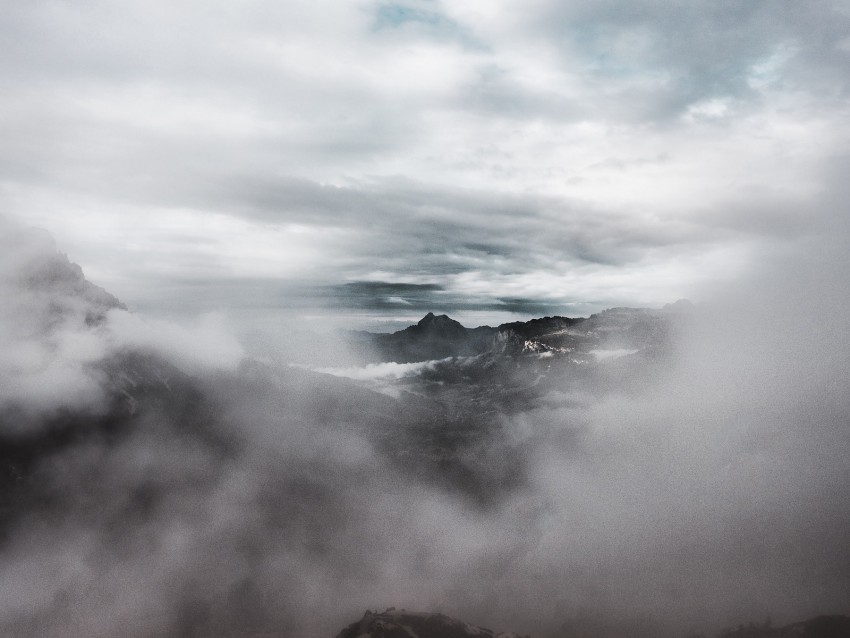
x: 434, y: 337
x: 395, y: 623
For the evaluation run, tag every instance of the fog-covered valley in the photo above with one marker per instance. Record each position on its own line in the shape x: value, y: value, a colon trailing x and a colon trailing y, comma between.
x: 424, y: 319
x: 638, y: 473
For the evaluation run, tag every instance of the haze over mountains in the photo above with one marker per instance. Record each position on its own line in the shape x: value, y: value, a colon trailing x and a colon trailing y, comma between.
x: 375, y: 310
x: 638, y: 472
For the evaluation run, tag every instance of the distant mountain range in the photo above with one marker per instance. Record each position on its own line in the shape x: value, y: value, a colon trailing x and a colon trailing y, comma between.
x: 617, y: 329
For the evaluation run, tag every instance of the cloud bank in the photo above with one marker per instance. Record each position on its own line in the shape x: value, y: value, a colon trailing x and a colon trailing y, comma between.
x: 706, y: 492
x: 560, y: 153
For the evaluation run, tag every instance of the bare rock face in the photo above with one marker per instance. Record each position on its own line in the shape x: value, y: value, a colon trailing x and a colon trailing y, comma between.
x: 395, y: 623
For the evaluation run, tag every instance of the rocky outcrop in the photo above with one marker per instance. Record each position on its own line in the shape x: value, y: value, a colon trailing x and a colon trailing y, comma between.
x: 395, y: 623
x: 434, y: 337
x: 818, y: 627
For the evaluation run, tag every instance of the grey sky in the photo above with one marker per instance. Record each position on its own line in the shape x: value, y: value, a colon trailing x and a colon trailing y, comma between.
x: 372, y: 161
x: 516, y: 155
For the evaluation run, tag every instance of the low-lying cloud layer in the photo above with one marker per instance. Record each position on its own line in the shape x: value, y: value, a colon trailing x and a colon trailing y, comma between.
x: 708, y: 491
x: 392, y: 158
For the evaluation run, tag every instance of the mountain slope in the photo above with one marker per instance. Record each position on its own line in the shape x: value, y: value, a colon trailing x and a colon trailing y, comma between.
x: 617, y: 329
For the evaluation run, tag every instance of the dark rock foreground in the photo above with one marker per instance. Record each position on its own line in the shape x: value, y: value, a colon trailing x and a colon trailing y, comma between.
x: 395, y: 623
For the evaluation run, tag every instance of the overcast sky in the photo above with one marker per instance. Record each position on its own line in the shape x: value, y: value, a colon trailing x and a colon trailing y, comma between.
x: 387, y: 158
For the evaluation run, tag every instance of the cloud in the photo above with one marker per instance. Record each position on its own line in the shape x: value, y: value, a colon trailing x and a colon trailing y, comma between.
x: 400, y: 138
x: 57, y: 329
x: 198, y: 156
x: 204, y: 345
x: 48, y: 325
x: 381, y: 294
x: 657, y: 61
x: 380, y: 371
x: 707, y: 490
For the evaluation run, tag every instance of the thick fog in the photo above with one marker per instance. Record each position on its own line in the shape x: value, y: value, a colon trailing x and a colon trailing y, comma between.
x: 210, y: 494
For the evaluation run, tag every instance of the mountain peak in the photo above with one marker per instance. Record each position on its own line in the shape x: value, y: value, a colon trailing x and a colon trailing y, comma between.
x: 440, y: 324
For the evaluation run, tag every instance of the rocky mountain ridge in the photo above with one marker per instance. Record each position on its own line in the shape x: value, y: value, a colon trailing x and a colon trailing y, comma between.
x: 400, y: 623
x: 439, y: 336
